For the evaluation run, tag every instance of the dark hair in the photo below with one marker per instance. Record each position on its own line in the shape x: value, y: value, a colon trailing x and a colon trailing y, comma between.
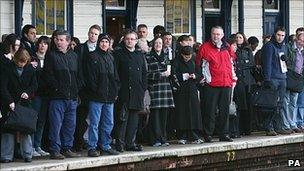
x: 142, y: 26
x: 187, y: 50
x: 76, y: 40
x: 166, y: 33
x: 26, y: 29
x: 130, y: 31
x: 279, y: 28
x: 43, y: 39
x: 153, y: 41
x: 9, y: 42
x: 300, y: 29
x: 158, y: 30
x: 245, y: 43
x: 53, y: 45
x: 65, y: 33
x: 267, y: 36
x: 22, y: 56
x: 253, y: 40
x: 183, y: 38
x: 231, y: 40
x: 95, y: 26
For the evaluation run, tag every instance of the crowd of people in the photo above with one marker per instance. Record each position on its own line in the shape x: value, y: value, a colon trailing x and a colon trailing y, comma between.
x: 108, y: 95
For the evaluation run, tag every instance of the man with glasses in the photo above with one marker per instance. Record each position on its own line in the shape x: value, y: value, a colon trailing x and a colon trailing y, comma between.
x: 131, y: 69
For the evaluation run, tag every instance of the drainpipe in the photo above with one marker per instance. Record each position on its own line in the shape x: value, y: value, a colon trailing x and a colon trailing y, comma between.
x: 104, y: 17
x: 241, y: 15
x: 18, y: 16
x: 203, y: 21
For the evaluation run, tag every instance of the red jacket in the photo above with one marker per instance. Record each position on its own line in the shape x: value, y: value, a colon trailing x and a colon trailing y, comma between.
x: 220, y: 65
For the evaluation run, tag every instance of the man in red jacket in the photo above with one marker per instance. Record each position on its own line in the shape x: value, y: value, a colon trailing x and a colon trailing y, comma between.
x: 216, y: 56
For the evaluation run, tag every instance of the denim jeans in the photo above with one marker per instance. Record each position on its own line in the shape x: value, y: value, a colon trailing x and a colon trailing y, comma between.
x: 8, y: 144
x: 101, y: 124
x: 290, y: 110
x: 40, y: 104
x: 62, y: 117
x: 300, y: 111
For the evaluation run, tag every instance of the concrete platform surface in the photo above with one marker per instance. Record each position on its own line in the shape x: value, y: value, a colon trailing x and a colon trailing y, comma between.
x: 253, y: 141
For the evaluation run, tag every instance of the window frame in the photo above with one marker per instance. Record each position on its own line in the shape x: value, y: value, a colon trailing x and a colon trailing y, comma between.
x: 217, y: 10
x: 117, y: 8
x: 189, y: 21
x: 273, y: 10
x: 45, y: 17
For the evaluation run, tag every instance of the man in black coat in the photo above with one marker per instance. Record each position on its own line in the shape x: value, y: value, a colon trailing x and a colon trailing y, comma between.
x: 63, y: 79
x: 132, y: 72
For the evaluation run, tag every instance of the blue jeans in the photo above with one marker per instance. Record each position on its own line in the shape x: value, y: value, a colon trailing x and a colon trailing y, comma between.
x: 8, y: 144
x: 290, y: 110
x: 101, y: 124
x: 300, y: 111
x: 40, y: 104
x: 62, y: 117
x: 277, y: 119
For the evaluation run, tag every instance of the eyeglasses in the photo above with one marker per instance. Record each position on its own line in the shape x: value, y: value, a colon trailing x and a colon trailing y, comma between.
x: 130, y: 39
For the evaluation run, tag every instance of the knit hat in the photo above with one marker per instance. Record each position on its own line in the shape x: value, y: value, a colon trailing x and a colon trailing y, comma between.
x: 103, y: 36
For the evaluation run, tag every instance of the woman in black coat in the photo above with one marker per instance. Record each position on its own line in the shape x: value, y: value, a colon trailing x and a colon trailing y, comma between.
x: 244, y: 65
x: 159, y: 70
x: 18, y: 84
x: 188, y: 119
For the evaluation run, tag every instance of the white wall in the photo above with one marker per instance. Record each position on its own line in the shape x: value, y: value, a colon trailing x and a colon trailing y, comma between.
x: 296, y: 15
x: 253, y: 24
x: 6, y: 17
x: 151, y: 13
x: 199, y: 25
x: 86, y: 13
x: 234, y: 17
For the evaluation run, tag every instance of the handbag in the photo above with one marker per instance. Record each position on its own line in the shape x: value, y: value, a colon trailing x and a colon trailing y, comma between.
x: 295, y: 81
x: 232, y: 105
x: 264, y: 98
x: 21, y: 119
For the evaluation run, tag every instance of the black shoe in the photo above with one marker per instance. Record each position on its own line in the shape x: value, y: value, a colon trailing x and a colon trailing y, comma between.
x: 93, y: 153
x: 28, y: 160
x: 271, y: 133
x: 208, y: 139
x: 57, y: 156
x: 284, y: 131
x: 119, y: 148
x: 226, y: 138
x: 70, y: 154
x: 135, y: 148
x: 110, y: 152
x: 5, y: 161
x: 297, y: 130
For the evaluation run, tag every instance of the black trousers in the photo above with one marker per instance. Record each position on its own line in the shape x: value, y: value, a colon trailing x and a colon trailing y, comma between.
x: 126, y: 128
x: 81, y: 126
x: 158, y: 125
x: 216, y: 98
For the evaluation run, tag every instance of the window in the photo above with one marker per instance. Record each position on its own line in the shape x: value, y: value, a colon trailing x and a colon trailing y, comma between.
x: 271, y: 5
x: 212, y: 5
x: 49, y: 15
x: 177, y: 20
x: 116, y: 4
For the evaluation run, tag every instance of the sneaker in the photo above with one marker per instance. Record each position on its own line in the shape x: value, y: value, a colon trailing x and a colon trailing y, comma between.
x: 226, y: 138
x: 198, y: 141
x: 70, y: 154
x: 35, y: 153
x: 165, y: 144
x: 93, y: 153
x: 110, y: 151
x: 42, y: 152
x: 57, y: 156
x: 271, y: 133
x: 183, y: 142
x: 158, y: 144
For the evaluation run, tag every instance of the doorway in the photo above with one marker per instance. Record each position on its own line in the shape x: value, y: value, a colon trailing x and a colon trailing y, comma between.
x: 115, y: 26
x: 211, y: 20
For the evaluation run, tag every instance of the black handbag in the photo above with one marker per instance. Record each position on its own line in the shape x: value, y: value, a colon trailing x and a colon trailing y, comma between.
x: 295, y: 81
x: 264, y: 98
x: 22, y: 119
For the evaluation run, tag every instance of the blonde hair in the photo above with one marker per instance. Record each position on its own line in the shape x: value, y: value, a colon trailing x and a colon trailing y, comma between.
x: 22, y: 56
